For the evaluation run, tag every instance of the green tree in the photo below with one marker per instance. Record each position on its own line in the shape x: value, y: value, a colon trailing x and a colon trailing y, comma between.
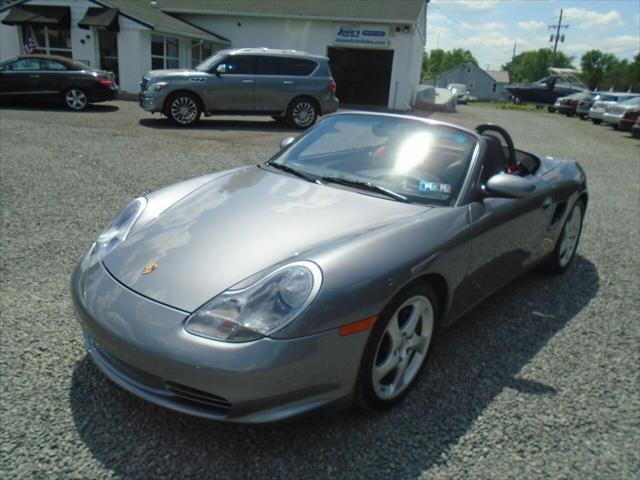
x: 595, y: 66
x: 532, y: 65
x: 439, y: 61
x: 605, y: 71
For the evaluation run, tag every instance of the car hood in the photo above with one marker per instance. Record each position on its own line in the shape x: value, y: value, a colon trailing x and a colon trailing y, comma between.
x: 176, y: 72
x: 238, y: 225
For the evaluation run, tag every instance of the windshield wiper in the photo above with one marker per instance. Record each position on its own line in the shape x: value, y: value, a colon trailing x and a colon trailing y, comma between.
x: 292, y: 171
x: 351, y: 182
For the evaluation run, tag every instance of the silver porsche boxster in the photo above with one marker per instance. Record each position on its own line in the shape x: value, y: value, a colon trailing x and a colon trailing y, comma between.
x: 321, y: 277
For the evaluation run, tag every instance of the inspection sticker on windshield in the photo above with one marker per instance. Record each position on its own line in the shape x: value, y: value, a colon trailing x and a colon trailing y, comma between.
x: 434, y: 187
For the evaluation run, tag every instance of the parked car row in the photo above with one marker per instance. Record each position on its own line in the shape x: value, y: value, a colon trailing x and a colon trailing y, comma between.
x: 617, y: 109
x: 290, y: 86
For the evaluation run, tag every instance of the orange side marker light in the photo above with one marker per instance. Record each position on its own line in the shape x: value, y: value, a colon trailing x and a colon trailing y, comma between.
x: 358, y: 326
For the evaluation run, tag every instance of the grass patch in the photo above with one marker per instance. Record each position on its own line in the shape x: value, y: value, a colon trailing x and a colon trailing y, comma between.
x: 508, y: 106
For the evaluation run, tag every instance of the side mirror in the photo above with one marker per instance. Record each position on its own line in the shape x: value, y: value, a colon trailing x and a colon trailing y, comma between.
x: 222, y: 68
x: 509, y: 186
x: 286, y: 142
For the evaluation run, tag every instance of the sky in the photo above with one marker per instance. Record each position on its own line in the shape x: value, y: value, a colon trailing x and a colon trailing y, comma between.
x: 489, y: 28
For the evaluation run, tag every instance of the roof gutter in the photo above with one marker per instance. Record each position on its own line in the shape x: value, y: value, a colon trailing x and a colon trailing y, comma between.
x: 197, y: 11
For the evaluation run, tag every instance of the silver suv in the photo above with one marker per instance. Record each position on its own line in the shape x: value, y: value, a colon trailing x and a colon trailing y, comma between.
x: 288, y: 85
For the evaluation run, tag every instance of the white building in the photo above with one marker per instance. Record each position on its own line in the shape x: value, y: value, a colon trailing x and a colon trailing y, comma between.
x: 375, y: 47
x: 487, y: 85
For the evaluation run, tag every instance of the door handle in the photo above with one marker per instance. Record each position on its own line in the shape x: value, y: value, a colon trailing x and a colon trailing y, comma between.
x: 546, y: 203
x: 247, y: 81
x: 288, y: 82
x: 34, y: 76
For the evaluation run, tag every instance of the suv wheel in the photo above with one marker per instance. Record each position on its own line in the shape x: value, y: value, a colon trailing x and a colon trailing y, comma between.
x: 302, y: 113
x: 183, y: 109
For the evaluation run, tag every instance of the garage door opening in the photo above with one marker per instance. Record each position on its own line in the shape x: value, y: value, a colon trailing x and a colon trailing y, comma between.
x: 363, y: 76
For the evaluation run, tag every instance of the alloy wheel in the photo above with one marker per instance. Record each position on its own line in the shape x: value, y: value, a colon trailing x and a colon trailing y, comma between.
x: 184, y: 110
x: 303, y: 114
x: 76, y: 99
x: 403, y: 347
x: 570, y: 236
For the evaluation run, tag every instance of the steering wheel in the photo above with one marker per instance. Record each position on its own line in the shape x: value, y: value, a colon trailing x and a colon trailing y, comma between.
x: 490, y: 127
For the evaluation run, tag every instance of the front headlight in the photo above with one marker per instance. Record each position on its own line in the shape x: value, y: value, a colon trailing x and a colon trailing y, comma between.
x: 245, y: 313
x: 116, y: 232
x: 156, y: 87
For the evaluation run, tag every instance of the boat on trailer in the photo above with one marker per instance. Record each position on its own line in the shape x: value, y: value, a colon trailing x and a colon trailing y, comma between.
x: 560, y: 83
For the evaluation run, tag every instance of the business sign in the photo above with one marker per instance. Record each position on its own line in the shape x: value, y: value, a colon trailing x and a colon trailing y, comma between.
x: 359, y: 35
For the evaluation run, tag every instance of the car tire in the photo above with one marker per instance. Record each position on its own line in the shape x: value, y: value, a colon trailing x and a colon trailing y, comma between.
x: 75, y: 99
x: 561, y: 258
x: 596, y: 121
x: 397, y: 349
x: 183, y: 109
x: 584, y: 116
x: 302, y: 113
x: 551, y: 110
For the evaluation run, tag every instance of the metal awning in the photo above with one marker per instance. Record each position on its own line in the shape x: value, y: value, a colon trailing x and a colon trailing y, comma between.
x: 36, y: 14
x: 106, y: 18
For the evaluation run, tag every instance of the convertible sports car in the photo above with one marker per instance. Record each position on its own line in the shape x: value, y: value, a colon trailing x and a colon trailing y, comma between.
x: 322, y: 276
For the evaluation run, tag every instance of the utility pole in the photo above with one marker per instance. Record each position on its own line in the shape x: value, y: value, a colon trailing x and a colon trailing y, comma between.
x: 557, y: 37
x: 513, y: 62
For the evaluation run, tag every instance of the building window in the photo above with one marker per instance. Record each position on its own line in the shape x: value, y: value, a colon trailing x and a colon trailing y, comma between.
x: 494, y: 87
x: 200, y: 51
x: 468, y: 68
x: 471, y: 84
x: 164, y: 52
x: 48, y: 40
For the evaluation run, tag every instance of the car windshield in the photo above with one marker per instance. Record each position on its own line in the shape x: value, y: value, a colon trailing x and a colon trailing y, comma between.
x: 209, y: 62
x: 405, y: 158
x: 633, y: 101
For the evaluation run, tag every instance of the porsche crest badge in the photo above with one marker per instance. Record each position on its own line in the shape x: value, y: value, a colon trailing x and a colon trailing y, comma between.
x: 152, y: 267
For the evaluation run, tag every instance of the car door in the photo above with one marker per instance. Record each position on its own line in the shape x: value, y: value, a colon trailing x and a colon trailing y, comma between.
x: 21, y: 78
x: 271, y: 84
x: 280, y: 79
x: 508, y: 236
x: 232, y: 89
x: 54, y: 76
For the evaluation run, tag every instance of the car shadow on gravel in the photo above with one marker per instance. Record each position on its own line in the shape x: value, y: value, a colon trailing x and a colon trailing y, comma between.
x: 220, y: 124
x: 472, y: 363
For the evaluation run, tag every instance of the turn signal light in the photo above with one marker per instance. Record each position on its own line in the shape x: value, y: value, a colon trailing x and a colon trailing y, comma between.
x: 358, y: 326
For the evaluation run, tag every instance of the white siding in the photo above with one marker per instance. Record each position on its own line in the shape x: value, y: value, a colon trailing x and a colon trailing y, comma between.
x: 315, y: 36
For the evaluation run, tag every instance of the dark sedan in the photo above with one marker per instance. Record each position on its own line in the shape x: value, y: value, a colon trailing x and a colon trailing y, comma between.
x: 49, y: 77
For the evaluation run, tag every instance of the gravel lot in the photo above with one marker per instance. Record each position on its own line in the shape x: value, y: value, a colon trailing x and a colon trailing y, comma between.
x: 540, y: 382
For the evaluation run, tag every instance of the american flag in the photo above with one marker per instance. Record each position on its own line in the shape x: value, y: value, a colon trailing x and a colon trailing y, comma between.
x: 30, y: 45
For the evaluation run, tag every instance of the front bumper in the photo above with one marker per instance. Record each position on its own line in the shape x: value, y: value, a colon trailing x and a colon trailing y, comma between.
x: 611, y: 119
x: 565, y: 109
x: 597, y: 114
x: 142, y: 346
x: 151, y: 101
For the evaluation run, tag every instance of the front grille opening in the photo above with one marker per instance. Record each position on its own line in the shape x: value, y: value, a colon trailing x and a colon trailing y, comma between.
x: 194, y: 396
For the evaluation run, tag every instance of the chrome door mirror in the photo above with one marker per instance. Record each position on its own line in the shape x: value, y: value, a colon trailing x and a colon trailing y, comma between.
x: 285, y: 142
x: 509, y: 186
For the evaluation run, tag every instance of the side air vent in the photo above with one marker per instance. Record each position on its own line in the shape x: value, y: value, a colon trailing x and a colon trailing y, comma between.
x: 558, y: 213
